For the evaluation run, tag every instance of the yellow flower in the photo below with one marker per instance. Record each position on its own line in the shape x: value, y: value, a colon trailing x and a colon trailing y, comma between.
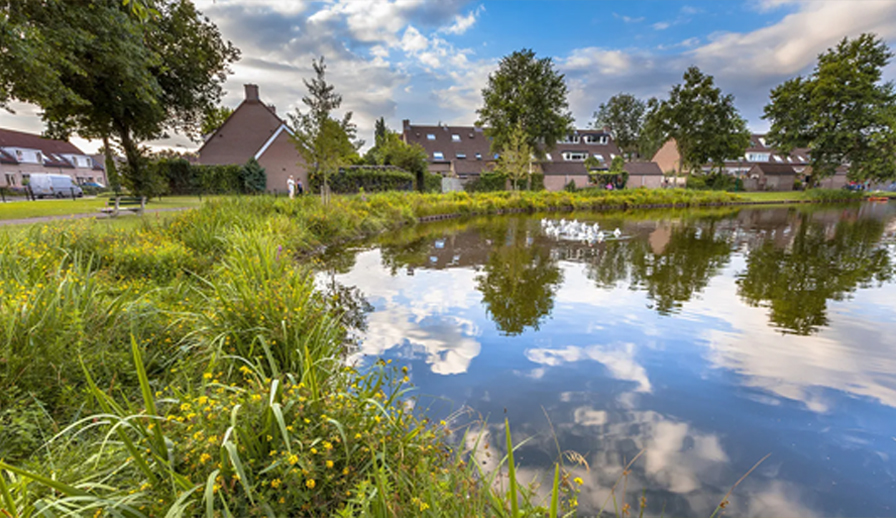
x: 578, y: 481
x: 185, y: 406
x: 329, y: 463
x: 202, y: 400
x: 310, y: 483
x: 314, y: 451
x: 275, y: 483
x: 207, y: 375
x: 328, y: 446
x: 293, y: 459
x: 205, y: 457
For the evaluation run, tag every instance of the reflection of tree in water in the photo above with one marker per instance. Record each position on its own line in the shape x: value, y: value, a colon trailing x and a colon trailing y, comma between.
x: 352, y: 306
x: 520, y: 278
x: 693, y: 254
x: 795, y: 283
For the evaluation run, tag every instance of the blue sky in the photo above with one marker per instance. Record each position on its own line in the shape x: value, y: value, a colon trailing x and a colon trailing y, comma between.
x: 427, y: 61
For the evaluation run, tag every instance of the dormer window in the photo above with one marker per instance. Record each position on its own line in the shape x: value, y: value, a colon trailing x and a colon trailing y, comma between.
x: 437, y: 155
x: 548, y: 156
x: 19, y: 155
x: 575, y: 156
x: 762, y: 142
x: 597, y: 139
x: 430, y: 136
x: 455, y: 138
x: 572, y: 139
x: 478, y: 156
x: 461, y: 156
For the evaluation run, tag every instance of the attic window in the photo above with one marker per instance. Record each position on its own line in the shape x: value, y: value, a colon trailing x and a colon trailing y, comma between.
x: 430, y: 136
x: 472, y: 135
x: 575, y: 156
x: 596, y: 139
x: 762, y: 142
x: 455, y: 138
x: 777, y: 158
x: 478, y: 156
x: 461, y: 155
x: 548, y: 156
x: 437, y: 155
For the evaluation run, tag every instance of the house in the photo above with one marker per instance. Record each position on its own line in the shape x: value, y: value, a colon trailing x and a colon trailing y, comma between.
x: 770, y: 177
x: 254, y: 130
x: 465, y: 152
x: 757, y: 152
x: 23, y: 154
x: 644, y: 174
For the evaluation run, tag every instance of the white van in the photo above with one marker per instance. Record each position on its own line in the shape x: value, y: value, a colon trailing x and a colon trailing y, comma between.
x: 56, y: 185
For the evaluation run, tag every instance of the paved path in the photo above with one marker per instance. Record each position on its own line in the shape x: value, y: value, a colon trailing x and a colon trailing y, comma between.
x: 97, y: 215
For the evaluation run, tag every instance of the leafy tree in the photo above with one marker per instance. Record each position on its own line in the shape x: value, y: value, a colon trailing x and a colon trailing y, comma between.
x: 102, y: 72
x: 624, y: 115
x: 380, y: 131
x: 214, y: 118
x: 703, y: 121
x: 651, y: 138
x: 390, y: 149
x: 842, y: 112
x: 593, y: 164
x: 527, y: 91
x: 324, y: 143
x: 515, y: 162
x: 253, y: 177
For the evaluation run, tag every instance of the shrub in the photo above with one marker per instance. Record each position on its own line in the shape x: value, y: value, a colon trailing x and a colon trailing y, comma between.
x: 570, y: 187
x: 487, y: 182
x: 432, y: 182
x: 352, y: 179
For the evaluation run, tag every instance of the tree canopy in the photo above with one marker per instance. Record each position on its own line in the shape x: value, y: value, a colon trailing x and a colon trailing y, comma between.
x: 103, y: 72
x: 528, y: 91
x: 842, y: 112
x: 390, y: 149
x: 516, y: 160
x: 704, y: 122
x: 325, y: 143
x: 624, y: 115
x: 214, y: 118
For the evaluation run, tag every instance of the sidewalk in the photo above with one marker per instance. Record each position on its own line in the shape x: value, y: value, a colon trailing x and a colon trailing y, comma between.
x: 44, y: 219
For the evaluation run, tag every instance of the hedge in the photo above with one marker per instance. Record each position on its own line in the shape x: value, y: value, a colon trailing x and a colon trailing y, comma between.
x: 182, y: 177
x: 352, y: 179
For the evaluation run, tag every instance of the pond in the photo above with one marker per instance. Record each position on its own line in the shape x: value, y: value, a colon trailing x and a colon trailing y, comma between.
x: 705, y: 339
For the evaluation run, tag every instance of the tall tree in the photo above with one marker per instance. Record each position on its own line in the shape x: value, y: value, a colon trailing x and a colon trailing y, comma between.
x: 528, y: 91
x: 324, y: 143
x: 104, y: 73
x: 213, y: 119
x: 380, y: 132
x: 391, y: 150
x: 704, y: 122
x: 842, y: 112
x: 624, y: 115
x: 516, y: 159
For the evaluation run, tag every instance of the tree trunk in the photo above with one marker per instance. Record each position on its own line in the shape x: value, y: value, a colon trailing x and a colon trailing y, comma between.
x: 132, y: 156
x: 112, y: 179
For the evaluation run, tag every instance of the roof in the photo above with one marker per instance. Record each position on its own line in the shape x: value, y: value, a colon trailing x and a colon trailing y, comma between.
x: 258, y: 136
x: 6, y: 158
x: 774, y: 169
x: 12, y: 138
x: 643, y: 168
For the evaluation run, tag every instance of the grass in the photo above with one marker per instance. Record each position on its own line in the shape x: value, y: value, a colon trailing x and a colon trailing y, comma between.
x: 811, y: 195
x: 39, y: 208
x: 187, y: 366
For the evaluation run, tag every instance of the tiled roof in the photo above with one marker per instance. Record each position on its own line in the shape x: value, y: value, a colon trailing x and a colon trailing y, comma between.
x: 11, y: 138
x: 643, y: 168
x: 775, y: 169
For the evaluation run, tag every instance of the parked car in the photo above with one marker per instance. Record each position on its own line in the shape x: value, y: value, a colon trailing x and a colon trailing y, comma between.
x: 93, y: 184
x: 56, y: 185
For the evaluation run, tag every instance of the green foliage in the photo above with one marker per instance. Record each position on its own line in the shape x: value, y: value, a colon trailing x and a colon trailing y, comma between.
x: 355, y: 179
x: 715, y: 182
x: 570, y: 187
x: 214, y: 118
x: 390, y: 149
x: 841, y: 112
x: 488, y: 181
x: 526, y: 91
x: 703, y: 121
x: 515, y: 162
x: 324, y: 143
x: 624, y: 115
x: 432, y: 183
x: 182, y: 177
x: 253, y: 177
x: 593, y: 164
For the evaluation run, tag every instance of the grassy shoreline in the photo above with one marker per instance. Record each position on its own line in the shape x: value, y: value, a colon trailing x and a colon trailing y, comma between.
x: 187, y: 366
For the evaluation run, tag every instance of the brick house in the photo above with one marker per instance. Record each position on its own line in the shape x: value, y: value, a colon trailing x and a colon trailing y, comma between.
x: 465, y: 152
x: 254, y: 130
x: 23, y: 154
x: 644, y: 174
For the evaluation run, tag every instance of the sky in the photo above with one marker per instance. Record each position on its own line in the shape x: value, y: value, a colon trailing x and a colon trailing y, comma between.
x: 427, y: 61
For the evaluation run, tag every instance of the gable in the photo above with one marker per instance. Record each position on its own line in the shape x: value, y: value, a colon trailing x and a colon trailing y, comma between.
x: 241, y: 136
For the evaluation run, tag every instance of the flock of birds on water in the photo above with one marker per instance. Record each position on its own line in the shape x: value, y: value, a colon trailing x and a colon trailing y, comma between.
x: 578, y: 231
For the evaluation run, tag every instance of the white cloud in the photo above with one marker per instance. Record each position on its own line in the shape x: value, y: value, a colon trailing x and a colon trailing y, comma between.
x: 618, y: 359
x: 413, y: 41
x: 628, y: 19
x: 661, y: 26
x: 462, y: 23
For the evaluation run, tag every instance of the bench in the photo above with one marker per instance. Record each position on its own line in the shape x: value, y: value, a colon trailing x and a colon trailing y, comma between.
x: 130, y: 203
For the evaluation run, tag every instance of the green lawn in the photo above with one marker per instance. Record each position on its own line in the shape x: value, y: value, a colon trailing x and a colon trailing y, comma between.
x: 36, y: 209
x: 774, y: 196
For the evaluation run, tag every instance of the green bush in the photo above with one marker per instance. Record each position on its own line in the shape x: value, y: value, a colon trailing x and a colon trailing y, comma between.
x: 714, y: 182
x: 432, y: 183
x: 487, y: 182
x: 350, y: 180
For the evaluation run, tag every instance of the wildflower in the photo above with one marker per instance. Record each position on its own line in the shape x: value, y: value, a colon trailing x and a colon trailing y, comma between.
x: 185, y: 406
x: 202, y: 400
x: 578, y: 481
x: 310, y: 483
x: 329, y: 463
x: 293, y: 459
x: 207, y: 376
x: 314, y: 451
x: 276, y: 483
x: 205, y: 457
x: 328, y: 446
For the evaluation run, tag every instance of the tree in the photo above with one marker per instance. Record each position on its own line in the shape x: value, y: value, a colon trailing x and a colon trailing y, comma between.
x: 253, y: 177
x: 380, y: 131
x: 324, y: 143
x: 623, y: 114
x: 214, y: 118
x: 390, y: 149
x: 842, y: 112
x: 527, y: 91
x: 105, y: 73
x: 515, y: 162
x: 703, y: 121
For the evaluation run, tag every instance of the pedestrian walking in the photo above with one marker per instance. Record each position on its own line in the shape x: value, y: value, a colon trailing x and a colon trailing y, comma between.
x: 291, y: 187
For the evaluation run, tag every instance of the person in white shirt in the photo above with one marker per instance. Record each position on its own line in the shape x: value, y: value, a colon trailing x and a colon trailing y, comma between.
x: 291, y: 187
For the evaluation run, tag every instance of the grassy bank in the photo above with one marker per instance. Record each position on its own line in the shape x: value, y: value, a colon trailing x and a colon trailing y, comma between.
x: 818, y: 195
x: 40, y: 208
x: 187, y: 366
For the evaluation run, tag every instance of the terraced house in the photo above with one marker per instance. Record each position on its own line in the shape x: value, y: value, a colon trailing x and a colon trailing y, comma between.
x: 465, y: 152
x: 23, y: 154
x: 761, y: 167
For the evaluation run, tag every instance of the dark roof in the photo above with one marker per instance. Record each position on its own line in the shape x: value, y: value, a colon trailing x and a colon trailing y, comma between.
x: 54, y: 160
x: 774, y: 169
x: 6, y: 158
x: 562, y: 168
x: 11, y: 138
x: 643, y: 168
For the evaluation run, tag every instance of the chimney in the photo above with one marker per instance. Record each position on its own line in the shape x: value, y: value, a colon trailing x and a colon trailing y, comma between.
x: 406, y: 124
x: 251, y: 92
x: 272, y: 107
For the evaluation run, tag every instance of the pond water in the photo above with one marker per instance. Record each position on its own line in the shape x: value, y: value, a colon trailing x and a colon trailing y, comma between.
x: 707, y: 339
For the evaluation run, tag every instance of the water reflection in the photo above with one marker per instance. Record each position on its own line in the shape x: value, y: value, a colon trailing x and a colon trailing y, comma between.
x: 708, y: 339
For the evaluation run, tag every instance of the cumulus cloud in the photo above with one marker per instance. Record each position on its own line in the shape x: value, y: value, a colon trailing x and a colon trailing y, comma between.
x: 462, y: 23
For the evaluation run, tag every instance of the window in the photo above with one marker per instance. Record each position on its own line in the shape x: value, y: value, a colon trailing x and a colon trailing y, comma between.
x: 478, y: 156
x: 571, y: 139
x: 575, y: 155
x: 437, y: 155
x: 461, y: 155
x: 455, y: 138
x: 596, y: 139
x: 497, y: 156
x: 40, y: 157
x: 430, y: 136
x: 548, y: 156
x: 762, y: 142
x: 19, y: 155
x: 10, y: 179
x: 757, y: 157
x: 777, y: 158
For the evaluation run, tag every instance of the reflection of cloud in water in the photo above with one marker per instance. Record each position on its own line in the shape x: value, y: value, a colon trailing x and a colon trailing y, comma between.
x: 852, y: 356
x: 414, y: 313
x: 619, y: 360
